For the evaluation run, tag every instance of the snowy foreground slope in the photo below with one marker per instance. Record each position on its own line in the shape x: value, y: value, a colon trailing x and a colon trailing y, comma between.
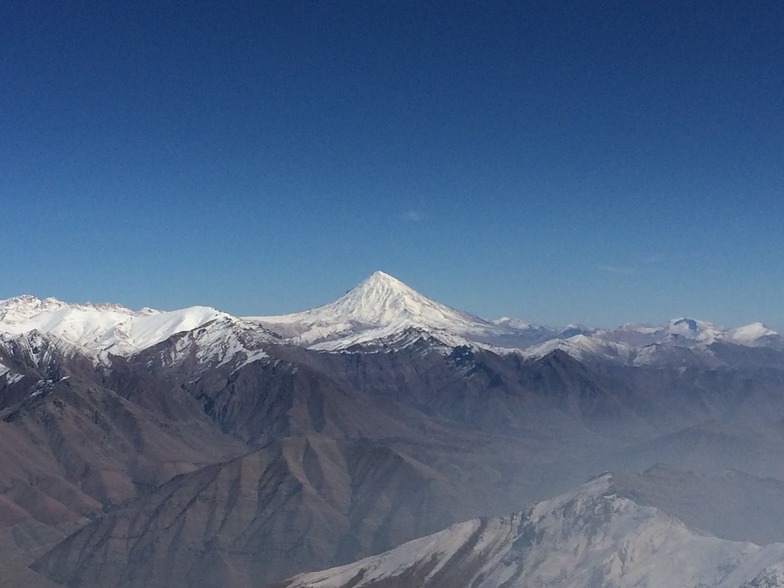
x: 592, y: 537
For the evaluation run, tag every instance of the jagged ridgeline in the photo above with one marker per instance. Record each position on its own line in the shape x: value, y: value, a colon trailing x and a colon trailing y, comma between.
x: 194, y: 448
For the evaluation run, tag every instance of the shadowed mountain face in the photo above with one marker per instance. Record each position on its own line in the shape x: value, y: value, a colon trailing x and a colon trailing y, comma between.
x: 307, y: 498
x: 73, y: 446
x: 192, y: 448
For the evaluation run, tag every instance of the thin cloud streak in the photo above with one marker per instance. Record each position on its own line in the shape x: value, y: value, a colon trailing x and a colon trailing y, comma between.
x: 661, y: 258
x: 413, y: 216
x: 614, y: 269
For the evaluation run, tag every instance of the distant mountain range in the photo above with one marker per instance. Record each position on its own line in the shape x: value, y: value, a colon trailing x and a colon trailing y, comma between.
x: 380, y: 312
x: 195, y: 448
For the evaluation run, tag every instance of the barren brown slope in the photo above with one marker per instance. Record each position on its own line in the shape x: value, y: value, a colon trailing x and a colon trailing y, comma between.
x: 301, y: 503
x: 465, y: 433
x: 72, y: 447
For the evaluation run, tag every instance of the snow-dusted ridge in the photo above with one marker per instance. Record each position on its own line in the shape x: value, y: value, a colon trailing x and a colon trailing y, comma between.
x: 680, y: 340
x: 380, y: 313
x: 593, y: 536
x: 378, y: 310
x: 102, y: 330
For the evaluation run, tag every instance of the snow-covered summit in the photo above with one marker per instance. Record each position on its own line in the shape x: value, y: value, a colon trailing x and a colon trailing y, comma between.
x: 680, y: 341
x: 512, y: 323
x: 685, y: 330
x: 20, y: 309
x: 100, y: 330
x: 382, y: 313
x: 583, y: 347
x: 752, y: 334
x: 381, y: 300
x: 693, y: 329
x: 374, y: 309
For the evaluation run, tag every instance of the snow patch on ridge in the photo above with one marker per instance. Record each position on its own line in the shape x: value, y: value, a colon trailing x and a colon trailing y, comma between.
x: 751, y: 334
x: 582, y: 347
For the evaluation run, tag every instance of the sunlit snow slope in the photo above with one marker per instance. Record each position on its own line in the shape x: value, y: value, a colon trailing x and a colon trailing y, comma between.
x: 379, y: 307
x: 100, y: 330
x: 383, y: 313
x: 591, y: 537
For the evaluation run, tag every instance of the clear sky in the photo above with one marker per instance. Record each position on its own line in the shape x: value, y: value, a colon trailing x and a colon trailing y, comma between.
x: 600, y: 162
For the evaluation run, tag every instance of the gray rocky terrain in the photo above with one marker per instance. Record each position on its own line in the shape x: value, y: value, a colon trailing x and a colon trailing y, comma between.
x: 193, y: 448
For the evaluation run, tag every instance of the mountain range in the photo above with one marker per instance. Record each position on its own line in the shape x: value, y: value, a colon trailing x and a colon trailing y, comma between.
x: 195, y: 448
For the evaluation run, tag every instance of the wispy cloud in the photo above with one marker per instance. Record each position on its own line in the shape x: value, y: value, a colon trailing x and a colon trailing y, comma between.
x: 614, y: 269
x: 656, y: 259
x: 413, y: 216
x: 664, y: 258
x: 649, y: 263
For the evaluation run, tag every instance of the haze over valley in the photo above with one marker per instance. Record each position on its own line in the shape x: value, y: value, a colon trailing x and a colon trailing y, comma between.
x: 391, y: 294
x: 195, y: 448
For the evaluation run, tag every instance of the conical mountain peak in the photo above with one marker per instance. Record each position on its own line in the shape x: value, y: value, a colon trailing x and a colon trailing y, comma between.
x: 382, y: 300
x: 383, y: 282
x: 378, y: 295
x: 378, y: 275
x: 379, y: 306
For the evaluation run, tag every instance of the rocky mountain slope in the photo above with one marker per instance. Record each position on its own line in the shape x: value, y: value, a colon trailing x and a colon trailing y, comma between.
x: 148, y: 448
x: 595, y: 536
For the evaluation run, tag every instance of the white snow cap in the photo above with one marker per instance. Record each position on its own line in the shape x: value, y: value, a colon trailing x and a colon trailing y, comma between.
x: 381, y: 300
x: 100, y: 329
x: 377, y: 307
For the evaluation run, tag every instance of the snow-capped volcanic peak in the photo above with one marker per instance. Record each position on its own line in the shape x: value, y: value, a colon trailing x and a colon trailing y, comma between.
x: 379, y: 303
x: 383, y: 300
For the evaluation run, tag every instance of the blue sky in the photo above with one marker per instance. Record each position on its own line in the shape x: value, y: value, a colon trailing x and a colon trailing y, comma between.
x: 598, y: 162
